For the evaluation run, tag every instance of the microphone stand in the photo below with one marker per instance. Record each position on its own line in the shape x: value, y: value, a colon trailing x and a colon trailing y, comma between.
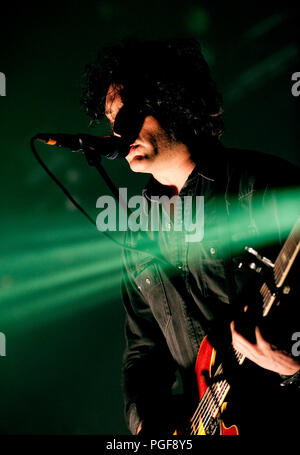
x: 94, y: 159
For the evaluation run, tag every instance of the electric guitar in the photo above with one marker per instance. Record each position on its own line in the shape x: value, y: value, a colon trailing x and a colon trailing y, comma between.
x: 206, y: 419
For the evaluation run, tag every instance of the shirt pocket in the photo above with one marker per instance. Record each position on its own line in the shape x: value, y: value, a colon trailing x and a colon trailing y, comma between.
x: 149, y: 283
x: 212, y: 260
x: 219, y: 264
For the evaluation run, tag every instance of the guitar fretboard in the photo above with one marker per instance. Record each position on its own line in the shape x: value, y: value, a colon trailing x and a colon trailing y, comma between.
x: 282, y: 266
x: 287, y: 255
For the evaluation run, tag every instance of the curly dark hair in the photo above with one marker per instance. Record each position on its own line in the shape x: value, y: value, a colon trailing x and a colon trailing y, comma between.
x: 169, y: 80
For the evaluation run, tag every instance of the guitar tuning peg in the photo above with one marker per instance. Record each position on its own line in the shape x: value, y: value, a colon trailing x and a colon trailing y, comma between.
x: 262, y: 259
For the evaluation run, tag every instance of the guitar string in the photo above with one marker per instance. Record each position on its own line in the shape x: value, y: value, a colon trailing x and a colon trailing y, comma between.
x: 196, y: 420
x: 218, y: 392
x: 208, y: 412
x: 202, y: 402
x: 288, y: 249
x: 205, y: 417
x: 207, y: 398
x: 279, y: 263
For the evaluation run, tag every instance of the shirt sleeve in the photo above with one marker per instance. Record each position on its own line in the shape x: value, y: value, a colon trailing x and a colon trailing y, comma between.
x: 293, y: 380
x: 148, y: 370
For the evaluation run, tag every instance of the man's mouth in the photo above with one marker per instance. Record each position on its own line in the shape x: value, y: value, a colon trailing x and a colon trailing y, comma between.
x: 132, y: 152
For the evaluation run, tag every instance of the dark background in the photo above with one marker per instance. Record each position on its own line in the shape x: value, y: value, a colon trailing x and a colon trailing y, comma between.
x: 60, y: 307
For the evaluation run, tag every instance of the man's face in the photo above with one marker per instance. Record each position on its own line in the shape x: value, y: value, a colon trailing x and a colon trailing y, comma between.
x: 152, y: 149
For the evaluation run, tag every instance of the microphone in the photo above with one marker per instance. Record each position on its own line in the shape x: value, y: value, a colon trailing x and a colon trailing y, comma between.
x: 110, y: 147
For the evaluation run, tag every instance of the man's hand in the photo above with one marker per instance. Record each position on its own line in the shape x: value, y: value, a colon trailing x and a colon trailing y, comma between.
x: 263, y: 353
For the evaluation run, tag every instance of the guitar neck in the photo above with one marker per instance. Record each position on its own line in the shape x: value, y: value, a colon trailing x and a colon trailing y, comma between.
x: 282, y: 266
x: 287, y: 255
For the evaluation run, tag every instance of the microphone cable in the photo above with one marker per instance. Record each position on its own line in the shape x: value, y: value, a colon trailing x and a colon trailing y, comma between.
x: 81, y: 209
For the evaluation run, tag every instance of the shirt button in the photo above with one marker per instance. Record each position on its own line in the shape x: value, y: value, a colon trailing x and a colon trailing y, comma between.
x: 179, y: 267
x: 212, y: 251
x: 148, y: 281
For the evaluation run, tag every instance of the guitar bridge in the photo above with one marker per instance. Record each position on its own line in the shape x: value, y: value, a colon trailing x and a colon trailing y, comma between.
x: 213, y: 425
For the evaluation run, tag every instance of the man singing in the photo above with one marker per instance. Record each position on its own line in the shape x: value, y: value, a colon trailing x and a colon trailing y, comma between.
x: 199, y: 287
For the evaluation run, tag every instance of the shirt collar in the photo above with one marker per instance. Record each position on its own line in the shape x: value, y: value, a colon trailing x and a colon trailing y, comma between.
x: 208, y: 166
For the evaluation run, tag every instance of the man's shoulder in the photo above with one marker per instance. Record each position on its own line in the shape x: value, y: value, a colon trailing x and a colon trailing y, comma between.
x: 263, y: 167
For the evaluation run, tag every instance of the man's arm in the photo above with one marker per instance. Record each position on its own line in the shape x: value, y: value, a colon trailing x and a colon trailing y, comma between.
x: 264, y: 354
x: 148, y: 368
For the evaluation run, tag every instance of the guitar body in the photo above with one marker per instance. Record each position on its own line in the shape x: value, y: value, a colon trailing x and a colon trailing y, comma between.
x: 206, y: 364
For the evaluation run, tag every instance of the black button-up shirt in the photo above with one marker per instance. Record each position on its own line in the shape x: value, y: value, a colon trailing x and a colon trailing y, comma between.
x: 171, y: 304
